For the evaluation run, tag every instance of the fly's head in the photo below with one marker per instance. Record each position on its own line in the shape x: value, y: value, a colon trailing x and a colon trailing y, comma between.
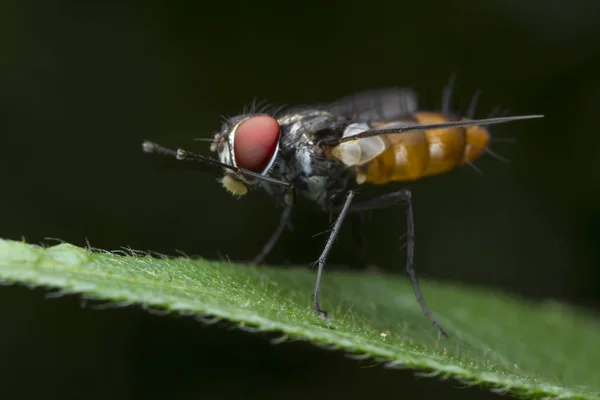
x: 249, y: 143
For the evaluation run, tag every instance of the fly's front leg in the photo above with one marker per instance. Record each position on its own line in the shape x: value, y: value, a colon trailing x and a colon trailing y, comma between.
x: 386, y: 201
x: 321, y: 262
x: 283, y: 222
x: 289, y: 199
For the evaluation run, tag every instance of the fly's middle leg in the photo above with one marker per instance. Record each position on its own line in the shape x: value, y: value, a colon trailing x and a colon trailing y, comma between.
x: 323, y: 257
x: 388, y: 200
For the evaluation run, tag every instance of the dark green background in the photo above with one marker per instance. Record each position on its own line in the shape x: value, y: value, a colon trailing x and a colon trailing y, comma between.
x: 83, y: 83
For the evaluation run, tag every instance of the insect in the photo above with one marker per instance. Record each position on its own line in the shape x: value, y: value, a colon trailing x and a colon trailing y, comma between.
x: 325, y: 152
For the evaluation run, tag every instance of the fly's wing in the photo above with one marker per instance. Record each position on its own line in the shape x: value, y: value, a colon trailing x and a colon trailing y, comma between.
x: 362, y: 142
x: 376, y: 104
x: 385, y: 107
x: 361, y: 151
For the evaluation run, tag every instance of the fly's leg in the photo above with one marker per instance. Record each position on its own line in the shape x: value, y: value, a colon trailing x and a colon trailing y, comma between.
x: 321, y: 262
x: 386, y: 201
x: 283, y: 222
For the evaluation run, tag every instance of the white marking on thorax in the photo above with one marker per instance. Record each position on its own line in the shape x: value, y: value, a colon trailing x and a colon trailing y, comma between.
x: 304, y: 156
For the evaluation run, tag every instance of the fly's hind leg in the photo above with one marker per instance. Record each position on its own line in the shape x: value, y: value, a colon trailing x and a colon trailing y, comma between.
x: 284, y: 221
x: 388, y: 200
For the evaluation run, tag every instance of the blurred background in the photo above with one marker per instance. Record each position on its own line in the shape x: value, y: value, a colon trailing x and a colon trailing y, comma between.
x: 82, y: 84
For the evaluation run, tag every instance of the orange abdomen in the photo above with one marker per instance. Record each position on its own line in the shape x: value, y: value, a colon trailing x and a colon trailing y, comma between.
x: 415, y: 155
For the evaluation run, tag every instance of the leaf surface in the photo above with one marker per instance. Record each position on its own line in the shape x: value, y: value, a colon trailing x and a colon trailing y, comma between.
x: 534, y: 350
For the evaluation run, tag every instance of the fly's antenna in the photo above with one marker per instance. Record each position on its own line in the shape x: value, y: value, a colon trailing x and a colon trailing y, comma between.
x: 183, y: 155
x: 473, y: 104
x: 447, y: 95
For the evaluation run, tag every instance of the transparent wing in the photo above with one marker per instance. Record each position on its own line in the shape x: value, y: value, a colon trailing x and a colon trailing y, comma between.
x: 376, y: 104
x: 362, y: 144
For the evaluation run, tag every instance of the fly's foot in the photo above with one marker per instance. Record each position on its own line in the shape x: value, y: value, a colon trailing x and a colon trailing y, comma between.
x: 322, y: 314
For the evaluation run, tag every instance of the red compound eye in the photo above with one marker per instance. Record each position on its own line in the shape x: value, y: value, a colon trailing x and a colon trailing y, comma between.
x: 255, y: 142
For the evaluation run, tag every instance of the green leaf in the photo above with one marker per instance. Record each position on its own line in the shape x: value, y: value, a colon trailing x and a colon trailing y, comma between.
x: 532, y: 350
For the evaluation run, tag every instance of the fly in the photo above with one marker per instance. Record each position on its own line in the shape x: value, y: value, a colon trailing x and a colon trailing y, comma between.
x: 325, y: 152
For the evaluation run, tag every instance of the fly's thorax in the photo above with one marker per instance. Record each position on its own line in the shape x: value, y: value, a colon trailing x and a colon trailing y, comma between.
x: 302, y: 162
x: 248, y: 142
